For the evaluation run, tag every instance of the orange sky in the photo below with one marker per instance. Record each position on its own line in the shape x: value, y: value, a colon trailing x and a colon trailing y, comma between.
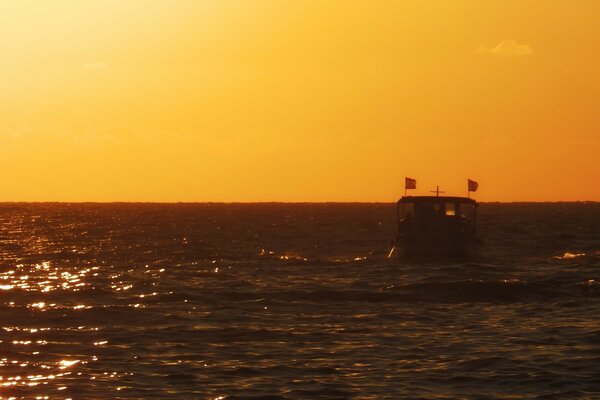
x: 122, y: 100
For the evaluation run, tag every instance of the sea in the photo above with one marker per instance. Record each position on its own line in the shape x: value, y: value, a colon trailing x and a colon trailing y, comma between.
x: 294, y: 301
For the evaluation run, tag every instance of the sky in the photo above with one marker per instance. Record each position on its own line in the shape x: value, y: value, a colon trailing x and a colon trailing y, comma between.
x: 324, y: 100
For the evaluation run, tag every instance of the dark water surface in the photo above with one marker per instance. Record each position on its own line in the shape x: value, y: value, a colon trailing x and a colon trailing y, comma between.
x: 293, y: 301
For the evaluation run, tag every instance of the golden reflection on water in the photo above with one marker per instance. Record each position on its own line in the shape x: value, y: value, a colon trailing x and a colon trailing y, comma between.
x: 569, y: 256
x: 46, y: 278
x: 29, y: 362
x: 53, y: 370
x: 36, y: 379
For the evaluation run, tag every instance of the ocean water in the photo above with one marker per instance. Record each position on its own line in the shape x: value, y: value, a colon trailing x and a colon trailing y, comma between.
x: 293, y: 301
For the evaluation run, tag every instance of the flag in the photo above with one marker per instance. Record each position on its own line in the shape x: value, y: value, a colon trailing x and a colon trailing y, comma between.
x: 472, y: 185
x: 410, y: 183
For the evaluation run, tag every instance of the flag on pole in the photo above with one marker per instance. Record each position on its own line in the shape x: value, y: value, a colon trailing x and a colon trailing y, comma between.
x: 410, y: 183
x: 473, y: 185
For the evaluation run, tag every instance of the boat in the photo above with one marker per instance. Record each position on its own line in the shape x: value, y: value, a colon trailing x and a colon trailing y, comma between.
x: 436, y: 227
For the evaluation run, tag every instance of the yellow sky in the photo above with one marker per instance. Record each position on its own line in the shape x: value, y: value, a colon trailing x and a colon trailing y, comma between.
x: 122, y: 100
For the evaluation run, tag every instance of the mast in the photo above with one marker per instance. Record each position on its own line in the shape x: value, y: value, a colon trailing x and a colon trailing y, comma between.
x: 437, y: 191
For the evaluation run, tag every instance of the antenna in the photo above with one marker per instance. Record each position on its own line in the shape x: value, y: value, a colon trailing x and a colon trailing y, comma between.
x: 437, y: 191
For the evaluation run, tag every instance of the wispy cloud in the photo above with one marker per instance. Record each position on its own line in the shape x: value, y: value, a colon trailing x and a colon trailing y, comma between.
x: 95, y: 65
x: 506, y: 49
x: 59, y: 132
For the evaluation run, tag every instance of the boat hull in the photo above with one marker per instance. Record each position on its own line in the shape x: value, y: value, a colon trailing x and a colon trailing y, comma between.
x: 436, y: 247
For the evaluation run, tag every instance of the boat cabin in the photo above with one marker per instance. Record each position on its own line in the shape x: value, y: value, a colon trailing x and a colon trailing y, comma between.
x: 436, y: 227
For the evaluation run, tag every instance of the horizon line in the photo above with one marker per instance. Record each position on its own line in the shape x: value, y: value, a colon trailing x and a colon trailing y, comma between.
x: 174, y: 202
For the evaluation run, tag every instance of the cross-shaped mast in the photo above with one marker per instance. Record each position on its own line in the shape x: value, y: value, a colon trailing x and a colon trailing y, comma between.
x: 437, y: 191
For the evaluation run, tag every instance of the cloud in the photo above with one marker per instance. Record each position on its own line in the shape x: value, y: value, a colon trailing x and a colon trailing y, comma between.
x: 95, y: 65
x: 81, y: 136
x: 506, y: 49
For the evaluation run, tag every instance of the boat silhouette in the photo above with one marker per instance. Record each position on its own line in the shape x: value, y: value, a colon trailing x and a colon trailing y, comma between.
x: 436, y: 227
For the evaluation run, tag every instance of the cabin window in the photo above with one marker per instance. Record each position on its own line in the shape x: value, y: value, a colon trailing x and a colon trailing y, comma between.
x: 407, y: 210
x: 436, y: 207
x: 450, y: 209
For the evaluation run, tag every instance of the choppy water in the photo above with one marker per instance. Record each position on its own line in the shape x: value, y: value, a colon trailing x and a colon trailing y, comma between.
x: 293, y: 301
